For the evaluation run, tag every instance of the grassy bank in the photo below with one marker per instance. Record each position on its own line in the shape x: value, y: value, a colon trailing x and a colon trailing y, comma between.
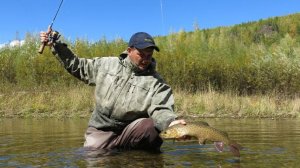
x: 230, y: 105
x: 51, y: 102
x: 78, y: 101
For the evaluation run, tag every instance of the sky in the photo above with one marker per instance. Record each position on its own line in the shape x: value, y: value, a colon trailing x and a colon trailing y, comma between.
x: 96, y: 19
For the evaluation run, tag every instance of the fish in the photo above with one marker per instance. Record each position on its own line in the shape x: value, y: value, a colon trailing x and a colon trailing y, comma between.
x: 203, y: 132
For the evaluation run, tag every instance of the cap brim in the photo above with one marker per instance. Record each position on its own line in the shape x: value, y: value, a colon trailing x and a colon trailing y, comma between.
x: 147, y: 46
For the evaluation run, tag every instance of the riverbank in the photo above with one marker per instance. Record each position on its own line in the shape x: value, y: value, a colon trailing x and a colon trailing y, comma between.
x: 78, y: 102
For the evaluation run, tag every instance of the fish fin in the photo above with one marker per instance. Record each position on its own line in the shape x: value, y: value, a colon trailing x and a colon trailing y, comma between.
x: 201, y: 141
x: 202, y: 123
x: 235, y: 148
x: 225, y: 133
x: 219, y: 146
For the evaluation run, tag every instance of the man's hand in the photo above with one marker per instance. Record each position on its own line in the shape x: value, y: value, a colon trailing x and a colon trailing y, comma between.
x: 44, y: 37
x: 182, y: 121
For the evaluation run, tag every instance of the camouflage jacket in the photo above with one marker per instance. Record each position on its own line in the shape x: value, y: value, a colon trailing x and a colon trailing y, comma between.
x: 123, y: 93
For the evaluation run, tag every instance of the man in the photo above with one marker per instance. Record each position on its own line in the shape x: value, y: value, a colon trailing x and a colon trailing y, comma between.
x: 133, y: 103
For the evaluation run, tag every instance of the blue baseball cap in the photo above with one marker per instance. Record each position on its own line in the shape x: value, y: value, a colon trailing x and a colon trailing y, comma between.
x: 142, y: 40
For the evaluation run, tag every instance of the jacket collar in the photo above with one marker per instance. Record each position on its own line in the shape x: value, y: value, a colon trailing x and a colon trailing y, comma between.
x: 125, y: 61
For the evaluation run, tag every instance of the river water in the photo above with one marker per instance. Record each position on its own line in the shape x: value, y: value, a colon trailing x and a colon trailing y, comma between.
x: 58, y: 143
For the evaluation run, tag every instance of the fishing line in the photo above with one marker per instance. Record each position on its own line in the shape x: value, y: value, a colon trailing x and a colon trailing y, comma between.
x: 55, y: 33
x: 162, y: 17
x: 56, y: 13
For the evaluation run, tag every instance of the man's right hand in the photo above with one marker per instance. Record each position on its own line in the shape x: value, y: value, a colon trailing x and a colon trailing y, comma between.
x: 44, y: 37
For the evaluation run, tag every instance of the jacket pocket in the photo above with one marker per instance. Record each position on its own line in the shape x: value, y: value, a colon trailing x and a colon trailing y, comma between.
x: 138, y: 98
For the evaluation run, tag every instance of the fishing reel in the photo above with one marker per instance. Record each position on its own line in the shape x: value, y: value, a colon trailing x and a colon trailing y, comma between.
x: 53, y: 36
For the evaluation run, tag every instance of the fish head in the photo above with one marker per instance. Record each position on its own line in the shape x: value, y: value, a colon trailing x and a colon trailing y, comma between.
x: 168, y: 134
x: 171, y: 133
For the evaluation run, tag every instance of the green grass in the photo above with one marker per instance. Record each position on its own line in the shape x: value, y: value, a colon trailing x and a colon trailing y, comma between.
x: 214, y: 104
x: 51, y: 102
x: 78, y: 101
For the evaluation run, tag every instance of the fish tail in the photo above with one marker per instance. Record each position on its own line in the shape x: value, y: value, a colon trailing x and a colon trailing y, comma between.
x: 235, y: 148
x: 219, y: 146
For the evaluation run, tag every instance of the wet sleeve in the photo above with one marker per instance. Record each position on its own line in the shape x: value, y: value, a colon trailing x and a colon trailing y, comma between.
x: 81, y: 68
x: 162, y: 107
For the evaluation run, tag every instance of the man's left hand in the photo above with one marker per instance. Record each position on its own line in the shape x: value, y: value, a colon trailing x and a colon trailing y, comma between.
x: 181, y: 121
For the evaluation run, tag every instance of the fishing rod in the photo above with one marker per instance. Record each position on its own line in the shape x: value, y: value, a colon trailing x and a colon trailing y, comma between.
x: 54, y: 34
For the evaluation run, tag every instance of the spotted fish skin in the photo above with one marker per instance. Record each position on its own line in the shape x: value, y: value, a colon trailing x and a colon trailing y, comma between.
x: 203, y: 132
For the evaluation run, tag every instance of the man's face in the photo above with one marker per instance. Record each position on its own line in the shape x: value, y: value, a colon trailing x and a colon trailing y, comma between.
x: 140, y: 57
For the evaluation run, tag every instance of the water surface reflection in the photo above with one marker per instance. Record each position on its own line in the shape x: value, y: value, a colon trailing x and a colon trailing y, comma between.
x: 58, y: 143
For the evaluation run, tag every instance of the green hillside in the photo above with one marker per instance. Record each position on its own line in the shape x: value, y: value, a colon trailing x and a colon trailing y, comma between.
x: 249, y: 58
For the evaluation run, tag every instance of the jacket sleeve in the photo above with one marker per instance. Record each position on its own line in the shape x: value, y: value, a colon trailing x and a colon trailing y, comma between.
x: 82, y: 68
x: 162, y: 107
